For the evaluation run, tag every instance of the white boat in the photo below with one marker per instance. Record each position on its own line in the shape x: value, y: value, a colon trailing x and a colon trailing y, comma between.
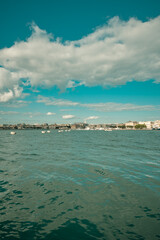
x: 12, y: 133
x: 108, y: 130
x: 87, y: 129
x: 43, y: 131
x: 48, y: 131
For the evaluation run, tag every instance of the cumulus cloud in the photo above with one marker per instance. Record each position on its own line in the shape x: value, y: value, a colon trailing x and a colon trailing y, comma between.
x: 9, y: 87
x: 113, y: 54
x: 68, y: 116
x: 50, y: 113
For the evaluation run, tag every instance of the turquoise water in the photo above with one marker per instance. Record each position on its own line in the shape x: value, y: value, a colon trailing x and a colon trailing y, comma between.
x: 79, y: 185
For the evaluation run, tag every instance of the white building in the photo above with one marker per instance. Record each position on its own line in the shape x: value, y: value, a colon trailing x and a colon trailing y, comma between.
x: 149, y: 124
x: 156, y: 124
x: 131, y: 124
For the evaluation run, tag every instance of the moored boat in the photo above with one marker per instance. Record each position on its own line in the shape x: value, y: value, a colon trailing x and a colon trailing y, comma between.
x: 12, y: 133
x: 108, y: 130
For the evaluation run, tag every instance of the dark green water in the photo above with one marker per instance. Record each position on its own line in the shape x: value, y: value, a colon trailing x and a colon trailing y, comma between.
x: 80, y: 185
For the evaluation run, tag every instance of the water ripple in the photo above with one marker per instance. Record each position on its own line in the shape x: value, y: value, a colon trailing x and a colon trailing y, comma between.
x: 86, y: 184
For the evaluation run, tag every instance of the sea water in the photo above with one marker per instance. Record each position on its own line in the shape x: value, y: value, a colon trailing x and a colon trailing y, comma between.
x: 79, y: 185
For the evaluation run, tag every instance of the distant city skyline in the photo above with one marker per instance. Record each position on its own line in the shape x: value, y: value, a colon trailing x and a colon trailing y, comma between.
x: 84, y: 61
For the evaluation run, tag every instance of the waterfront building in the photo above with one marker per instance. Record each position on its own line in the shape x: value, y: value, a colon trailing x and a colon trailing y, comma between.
x: 79, y: 126
x: 131, y: 124
x: 149, y: 124
x: 156, y: 124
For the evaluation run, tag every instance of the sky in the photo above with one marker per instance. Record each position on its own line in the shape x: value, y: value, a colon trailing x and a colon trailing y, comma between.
x: 94, y: 61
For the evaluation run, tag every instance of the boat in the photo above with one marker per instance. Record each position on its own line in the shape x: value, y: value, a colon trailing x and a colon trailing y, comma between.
x: 48, y: 131
x: 12, y: 133
x: 87, y: 129
x: 43, y: 131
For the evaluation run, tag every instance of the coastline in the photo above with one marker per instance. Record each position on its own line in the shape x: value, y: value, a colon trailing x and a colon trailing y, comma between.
x: 75, y: 126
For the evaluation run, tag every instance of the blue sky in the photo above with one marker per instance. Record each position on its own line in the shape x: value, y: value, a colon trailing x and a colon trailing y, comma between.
x: 75, y: 61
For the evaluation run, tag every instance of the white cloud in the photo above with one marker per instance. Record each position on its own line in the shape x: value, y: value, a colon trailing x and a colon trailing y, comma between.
x: 4, y: 97
x: 9, y: 87
x: 114, y: 107
x: 113, y: 54
x: 92, y: 118
x: 14, y: 103
x: 68, y: 116
x: 55, y: 102
x: 8, y: 113
x: 66, y: 110
x: 33, y: 113
x: 35, y: 90
x: 50, y: 113
x: 102, y: 107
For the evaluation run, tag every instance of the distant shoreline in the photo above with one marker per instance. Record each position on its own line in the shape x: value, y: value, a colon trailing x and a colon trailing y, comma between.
x: 130, y: 125
x: 72, y: 127
x: 80, y: 129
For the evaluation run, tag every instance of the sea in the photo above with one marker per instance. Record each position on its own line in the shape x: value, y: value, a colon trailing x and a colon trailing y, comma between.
x: 80, y: 185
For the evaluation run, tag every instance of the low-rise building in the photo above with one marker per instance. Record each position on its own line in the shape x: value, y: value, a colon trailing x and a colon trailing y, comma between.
x: 149, y: 124
x: 156, y: 124
x: 131, y: 124
x: 79, y: 126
